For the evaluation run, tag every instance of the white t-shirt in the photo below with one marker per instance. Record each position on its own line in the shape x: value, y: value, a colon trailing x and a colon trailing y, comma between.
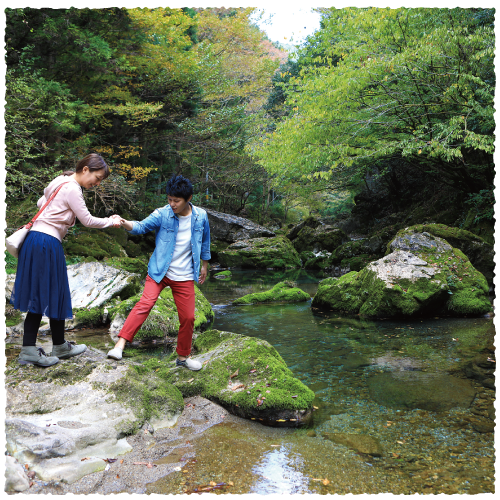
x: 181, y: 267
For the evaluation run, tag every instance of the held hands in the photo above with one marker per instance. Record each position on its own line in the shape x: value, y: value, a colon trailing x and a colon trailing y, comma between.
x: 117, y: 220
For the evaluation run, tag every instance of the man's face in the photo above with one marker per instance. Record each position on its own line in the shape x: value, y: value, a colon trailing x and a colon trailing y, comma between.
x: 179, y: 205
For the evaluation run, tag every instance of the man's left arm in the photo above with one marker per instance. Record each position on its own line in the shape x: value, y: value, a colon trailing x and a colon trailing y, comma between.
x: 205, y: 251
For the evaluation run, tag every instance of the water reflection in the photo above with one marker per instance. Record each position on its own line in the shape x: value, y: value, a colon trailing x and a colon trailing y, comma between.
x: 279, y: 472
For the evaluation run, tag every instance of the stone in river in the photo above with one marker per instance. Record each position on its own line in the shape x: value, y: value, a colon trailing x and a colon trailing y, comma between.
x: 427, y: 391
x: 354, y: 361
x: 358, y: 442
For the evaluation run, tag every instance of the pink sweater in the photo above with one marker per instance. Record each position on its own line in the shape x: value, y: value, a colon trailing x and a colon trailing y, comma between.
x: 60, y: 214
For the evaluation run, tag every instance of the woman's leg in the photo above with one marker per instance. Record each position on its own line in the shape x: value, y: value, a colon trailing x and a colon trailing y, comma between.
x: 31, y: 326
x: 57, y: 330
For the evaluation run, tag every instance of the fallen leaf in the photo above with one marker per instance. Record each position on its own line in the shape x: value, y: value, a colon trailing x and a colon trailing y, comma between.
x: 239, y: 386
x: 235, y: 374
x: 110, y: 460
x: 294, y: 396
x: 325, y: 482
x: 259, y: 402
x: 275, y: 445
x: 83, y: 459
x: 400, y: 442
x: 280, y: 420
x: 121, y: 461
x: 31, y: 474
x: 213, y: 483
x: 230, y: 483
x: 253, y: 371
x: 118, y: 476
x: 190, y: 380
x: 205, y: 362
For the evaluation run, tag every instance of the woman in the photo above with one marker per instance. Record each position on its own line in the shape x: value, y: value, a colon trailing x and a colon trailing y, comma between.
x: 41, y: 287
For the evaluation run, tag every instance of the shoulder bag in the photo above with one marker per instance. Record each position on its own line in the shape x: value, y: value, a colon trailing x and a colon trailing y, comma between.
x: 16, y: 240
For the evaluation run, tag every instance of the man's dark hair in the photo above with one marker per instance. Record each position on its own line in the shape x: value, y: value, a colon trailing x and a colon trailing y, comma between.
x: 180, y: 187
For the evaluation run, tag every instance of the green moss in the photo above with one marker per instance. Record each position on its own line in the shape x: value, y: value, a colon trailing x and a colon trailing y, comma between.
x: 10, y: 263
x: 85, y: 242
x: 89, y: 317
x: 259, y: 369
x: 281, y: 292
x: 132, y: 265
x: 147, y: 395
x: 261, y: 253
x: 326, y: 238
x: 12, y: 316
x: 342, y: 294
x: 223, y: 275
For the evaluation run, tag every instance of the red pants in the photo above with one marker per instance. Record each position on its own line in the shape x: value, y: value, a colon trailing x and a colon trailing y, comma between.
x: 183, y: 292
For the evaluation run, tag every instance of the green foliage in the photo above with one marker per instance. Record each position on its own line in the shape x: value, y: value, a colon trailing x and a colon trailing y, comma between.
x: 412, y: 83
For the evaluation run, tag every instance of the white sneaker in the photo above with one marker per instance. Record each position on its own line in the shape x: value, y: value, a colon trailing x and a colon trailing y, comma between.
x: 115, y: 353
x: 192, y: 364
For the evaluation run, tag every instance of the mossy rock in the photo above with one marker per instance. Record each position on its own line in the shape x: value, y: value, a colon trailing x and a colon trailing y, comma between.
x: 163, y: 320
x: 261, y: 253
x: 423, y: 275
x: 85, y: 242
x: 245, y: 375
x: 285, y: 292
x: 479, y: 252
x: 132, y: 265
x: 323, y: 237
x: 88, y: 317
x: 223, y: 275
x: 216, y: 247
x: 12, y: 316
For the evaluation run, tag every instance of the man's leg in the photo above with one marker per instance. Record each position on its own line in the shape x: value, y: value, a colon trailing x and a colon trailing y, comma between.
x: 183, y: 293
x: 138, y: 315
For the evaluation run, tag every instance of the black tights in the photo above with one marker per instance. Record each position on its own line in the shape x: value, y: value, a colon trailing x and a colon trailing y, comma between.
x: 32, y: 324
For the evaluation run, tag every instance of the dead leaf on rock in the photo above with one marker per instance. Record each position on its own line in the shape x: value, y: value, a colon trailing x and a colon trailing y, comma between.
x: 259, y: 402
x: 83, y: 459
x: 239, y: 386
x: 325, y: 482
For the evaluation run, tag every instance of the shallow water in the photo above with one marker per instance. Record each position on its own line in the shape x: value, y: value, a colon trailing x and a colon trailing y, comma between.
x: 388, y: 380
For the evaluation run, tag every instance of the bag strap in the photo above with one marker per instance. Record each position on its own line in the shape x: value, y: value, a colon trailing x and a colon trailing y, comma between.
x: 52, y: 196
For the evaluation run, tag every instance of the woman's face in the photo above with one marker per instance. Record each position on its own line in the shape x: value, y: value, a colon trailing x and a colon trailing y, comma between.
x: 91, y: 178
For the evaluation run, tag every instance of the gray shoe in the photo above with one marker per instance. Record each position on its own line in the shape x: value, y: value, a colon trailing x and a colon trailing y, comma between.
x: 68, y: 350
x: 32, y: 355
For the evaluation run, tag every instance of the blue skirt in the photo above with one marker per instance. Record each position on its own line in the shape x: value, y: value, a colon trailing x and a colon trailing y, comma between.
x: 41, y: 285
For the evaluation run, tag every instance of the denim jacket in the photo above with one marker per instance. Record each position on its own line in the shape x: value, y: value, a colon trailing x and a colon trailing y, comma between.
x: 166, y: 224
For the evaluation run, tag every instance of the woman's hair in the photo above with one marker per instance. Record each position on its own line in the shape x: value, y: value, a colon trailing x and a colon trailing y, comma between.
x: 93, y: 161
x: 180, y: 187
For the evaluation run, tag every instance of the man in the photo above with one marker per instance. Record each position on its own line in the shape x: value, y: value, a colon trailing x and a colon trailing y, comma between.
x: 182, y: 237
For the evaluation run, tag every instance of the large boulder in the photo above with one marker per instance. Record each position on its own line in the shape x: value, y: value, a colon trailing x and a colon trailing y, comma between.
x: 321, y: 238
x: 284, y: 291
x: 245, y: 375
x: 163, y: 320
x: 261, y: 253
x: 230, y: 228
x: 479, y: 252
x: 423, y: 275
x: 65, y: 420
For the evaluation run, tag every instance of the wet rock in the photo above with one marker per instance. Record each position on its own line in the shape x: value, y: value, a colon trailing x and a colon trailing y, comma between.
x: 354, y: 361
x: 81, y: 408
x: 483, y: 426
x: 245, y: 375
x: 321, y: 238
x: 163, y: 320
x: 230, y: 228
x: 15, y: 476
x: 491, y: 412
x: 427, y: 391
x: 423, y: 275
x: 261, y: 253
x: 311, y: 434
x: 281, y: 292
x: 360, y: 443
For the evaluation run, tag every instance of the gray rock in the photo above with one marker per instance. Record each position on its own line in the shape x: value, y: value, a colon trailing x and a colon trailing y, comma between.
x: 230, y: 228
x: 15, y: 476
x: 426, y: 391
x: 77, y: 412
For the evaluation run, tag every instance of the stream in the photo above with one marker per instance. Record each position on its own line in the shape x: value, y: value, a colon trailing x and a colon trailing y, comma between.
x: 395, y: 387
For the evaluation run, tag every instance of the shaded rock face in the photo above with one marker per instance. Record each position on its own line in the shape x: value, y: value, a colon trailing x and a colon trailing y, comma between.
x: 281, y: 292
x: 261, y: 253
x: 163, y: 320
x: 360, y: 443
x: 230, y: 228
x: 426, y: 391
x: 15, y: 476
x: 322, y: 238
x: 82, y: 407
x: 423, y: 275
x: 246, y: 376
